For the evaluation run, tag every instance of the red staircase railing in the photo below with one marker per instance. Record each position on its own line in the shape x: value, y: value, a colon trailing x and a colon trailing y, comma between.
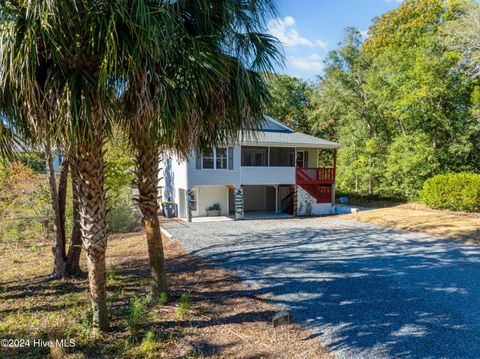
x: 317, y: 182
x: 315, y: 176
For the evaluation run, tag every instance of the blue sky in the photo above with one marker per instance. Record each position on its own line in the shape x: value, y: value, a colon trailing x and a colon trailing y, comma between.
x: 309, y: 29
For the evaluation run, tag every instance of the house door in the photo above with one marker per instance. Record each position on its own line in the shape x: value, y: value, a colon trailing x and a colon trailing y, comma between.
x: 302, y: 159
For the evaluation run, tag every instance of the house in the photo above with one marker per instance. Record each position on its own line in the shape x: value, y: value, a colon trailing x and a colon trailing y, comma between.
x: 270, y: 169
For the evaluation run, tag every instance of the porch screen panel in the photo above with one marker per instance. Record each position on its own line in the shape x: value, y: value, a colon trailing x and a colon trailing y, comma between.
x: 282, y: 157
x: 253, y: 156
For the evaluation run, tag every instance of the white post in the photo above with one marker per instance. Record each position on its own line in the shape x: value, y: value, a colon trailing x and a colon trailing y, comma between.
x: 277, y: 205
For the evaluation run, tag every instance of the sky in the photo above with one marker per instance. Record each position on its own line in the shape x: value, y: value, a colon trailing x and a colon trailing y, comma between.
x: 308, y: 29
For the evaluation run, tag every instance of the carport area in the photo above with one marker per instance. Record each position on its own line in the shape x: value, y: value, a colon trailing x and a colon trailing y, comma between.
x: 365, y: 291
x: 262, y: 201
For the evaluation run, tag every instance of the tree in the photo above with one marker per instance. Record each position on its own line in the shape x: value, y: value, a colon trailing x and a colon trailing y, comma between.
x: 200, y: 95
x: 411, y: 160
x: 400, y: 83
x: 463, y: 35
x: 291, y: 101
x: 60, y: 64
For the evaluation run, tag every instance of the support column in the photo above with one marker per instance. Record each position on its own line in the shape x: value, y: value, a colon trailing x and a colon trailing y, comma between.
x: 239, y: 208
x: 277, y: 204
x: 295, y: 187
x: 334, y: 185
x: 189, y: 198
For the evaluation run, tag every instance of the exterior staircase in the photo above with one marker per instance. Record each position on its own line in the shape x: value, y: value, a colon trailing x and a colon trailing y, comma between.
x: 317, y: 182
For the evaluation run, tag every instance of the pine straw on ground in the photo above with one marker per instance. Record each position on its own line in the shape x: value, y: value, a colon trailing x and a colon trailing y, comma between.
x: 418, y: 218
x: 224, y: 321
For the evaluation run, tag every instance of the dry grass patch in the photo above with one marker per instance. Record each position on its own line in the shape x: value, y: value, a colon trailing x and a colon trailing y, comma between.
x: 216, y: 317
x: 418, y: 218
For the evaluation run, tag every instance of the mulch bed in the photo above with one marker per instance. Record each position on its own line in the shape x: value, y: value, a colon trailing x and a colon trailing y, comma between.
x: 225, y: 320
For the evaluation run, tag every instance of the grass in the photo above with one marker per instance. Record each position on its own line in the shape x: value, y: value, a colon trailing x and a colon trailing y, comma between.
x: 418, y: 218
x: 217, y: 318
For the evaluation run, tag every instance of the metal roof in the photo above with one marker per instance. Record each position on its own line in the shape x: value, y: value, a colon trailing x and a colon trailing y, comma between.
x: 285, y: 138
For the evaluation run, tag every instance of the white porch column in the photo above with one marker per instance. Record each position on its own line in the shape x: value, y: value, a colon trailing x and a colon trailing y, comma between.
x: 277, y: 204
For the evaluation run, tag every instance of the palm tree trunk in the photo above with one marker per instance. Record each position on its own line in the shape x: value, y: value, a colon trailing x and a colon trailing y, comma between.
x: 62, y: 195
x: 75, y: 245
x: 92, y: 203
x: 147, y: 181
x: 59, y: 266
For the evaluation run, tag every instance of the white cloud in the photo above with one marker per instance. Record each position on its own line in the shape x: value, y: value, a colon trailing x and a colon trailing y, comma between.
x: 313, y: 62
x: 284, y: 30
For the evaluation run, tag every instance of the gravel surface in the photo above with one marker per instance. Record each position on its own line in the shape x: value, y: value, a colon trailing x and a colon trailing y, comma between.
x: 366, y: 291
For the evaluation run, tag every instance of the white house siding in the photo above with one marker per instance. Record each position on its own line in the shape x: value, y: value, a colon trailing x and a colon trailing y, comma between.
x: 199, y: 177
x: 173, y: 177
x: 307, y: 205
x: 267, y: 175
x: 208, y: 196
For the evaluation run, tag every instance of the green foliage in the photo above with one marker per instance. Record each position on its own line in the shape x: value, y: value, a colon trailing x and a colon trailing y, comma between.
x: 34, y: 160
x: 163, y: 298
x: 24, y: 204
x: 184, y: 305
x: 118, y: 157
x: 119, y: 177
x: 136, y: 314
x: 410, y: 161
x: 111, y: 273
x: 150, y: 344
x: 291, y: 101
x: 453, y: 191
x: 121, y: 216
x: 398, y: 103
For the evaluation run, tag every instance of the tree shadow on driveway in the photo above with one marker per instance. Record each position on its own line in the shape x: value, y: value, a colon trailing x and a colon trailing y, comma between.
x: 365, y: 291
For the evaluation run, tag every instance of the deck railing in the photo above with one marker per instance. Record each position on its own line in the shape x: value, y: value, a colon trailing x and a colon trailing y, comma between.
x: 315, y: 176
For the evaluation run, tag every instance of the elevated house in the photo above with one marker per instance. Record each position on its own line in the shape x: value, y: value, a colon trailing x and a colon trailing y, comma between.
x: 270, y: 169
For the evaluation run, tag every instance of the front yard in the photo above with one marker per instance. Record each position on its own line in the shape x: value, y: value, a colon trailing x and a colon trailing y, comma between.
x: 225, y: 320
x: 418, y: 218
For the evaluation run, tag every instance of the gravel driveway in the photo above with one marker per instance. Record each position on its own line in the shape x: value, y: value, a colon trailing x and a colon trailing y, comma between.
x: 366, y: 291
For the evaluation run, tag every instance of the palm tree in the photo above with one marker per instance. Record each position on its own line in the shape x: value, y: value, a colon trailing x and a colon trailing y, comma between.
x: 59, y: 62
x: 200, y: 95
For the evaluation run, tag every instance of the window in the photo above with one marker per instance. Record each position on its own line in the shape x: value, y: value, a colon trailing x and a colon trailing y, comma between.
x: 254, y: 156
x: 282, y: 157
x: 302, y: 159
x: 208, y: 159
x: 222, y: 158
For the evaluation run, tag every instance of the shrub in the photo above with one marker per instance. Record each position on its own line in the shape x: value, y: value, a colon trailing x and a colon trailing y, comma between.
x: 136, y: 314
x: 121, y: 216
x: 184, y: 305
x: 453, y: 191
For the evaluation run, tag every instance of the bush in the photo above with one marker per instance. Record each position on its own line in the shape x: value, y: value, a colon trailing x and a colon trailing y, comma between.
x: 136, y: 314
x: 184, y: 305
x: 453, y: 191
x: 121, y: 216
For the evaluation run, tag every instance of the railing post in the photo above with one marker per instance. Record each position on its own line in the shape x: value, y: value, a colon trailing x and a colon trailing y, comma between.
x: 334, y: 164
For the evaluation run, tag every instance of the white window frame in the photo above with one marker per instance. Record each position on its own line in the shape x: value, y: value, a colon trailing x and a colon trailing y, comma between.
x: 224, y: 158
x: 215, y: 159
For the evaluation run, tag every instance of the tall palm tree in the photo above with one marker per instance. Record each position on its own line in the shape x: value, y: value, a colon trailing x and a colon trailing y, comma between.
x: 59, y: 61
x: 201, y: 94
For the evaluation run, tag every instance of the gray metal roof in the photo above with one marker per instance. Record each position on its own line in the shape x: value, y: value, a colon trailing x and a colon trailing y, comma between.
x: 285, y: 138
